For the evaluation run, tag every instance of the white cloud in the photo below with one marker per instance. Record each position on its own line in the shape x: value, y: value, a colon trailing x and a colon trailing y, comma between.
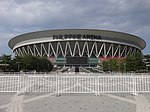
x: 21, y: 16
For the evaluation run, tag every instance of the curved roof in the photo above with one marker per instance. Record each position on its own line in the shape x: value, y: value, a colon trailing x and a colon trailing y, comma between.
x: 106, y: 35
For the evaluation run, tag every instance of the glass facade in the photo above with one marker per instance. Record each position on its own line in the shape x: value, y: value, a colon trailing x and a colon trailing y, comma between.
x: 90, y: 61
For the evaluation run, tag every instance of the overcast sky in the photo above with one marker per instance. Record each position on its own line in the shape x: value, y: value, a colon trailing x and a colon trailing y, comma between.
x: 22, y: 16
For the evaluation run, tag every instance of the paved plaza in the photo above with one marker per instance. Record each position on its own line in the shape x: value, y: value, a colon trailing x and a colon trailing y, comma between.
x: 76, y: 94
x: 46, y: 102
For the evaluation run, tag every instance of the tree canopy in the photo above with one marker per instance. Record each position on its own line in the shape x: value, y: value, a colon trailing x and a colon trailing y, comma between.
x: 130, y: 63
x: 26, y: 63
x: 114, y: 65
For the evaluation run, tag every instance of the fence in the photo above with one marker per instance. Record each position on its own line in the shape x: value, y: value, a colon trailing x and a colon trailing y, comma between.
x: 75, y: 84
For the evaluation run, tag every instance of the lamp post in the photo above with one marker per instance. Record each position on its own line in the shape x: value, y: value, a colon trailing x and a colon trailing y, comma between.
x: 125, y: 69
x: 37, y: 66
x: 109, y: 67
x: 18, y: 66
x: 48, y: 67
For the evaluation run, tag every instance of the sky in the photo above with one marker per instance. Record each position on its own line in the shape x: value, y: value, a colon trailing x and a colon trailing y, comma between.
x: 22, y: 16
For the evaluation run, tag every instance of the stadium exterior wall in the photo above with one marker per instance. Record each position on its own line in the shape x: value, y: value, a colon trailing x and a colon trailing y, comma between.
x: 77, y: 42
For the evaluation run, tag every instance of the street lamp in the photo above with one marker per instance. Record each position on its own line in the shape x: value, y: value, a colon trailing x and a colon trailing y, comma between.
x: 109, y: 67
x: 48, y: 67
x: 37, y: 66
x: 18, y: 64
x: 125, y: 67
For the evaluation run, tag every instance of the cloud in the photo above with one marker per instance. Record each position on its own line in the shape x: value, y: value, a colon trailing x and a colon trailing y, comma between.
x: 21, y: 16
x: 4, y: 38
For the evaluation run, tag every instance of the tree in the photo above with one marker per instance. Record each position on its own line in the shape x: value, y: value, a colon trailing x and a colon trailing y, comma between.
x: 114, y: 65
x: 30, y: 63
x: 106, y: 66
x: 44, y: 64
x: 146, y: 60
x: 26, y: 63
x: 6, y: 61
x: 134, y: 62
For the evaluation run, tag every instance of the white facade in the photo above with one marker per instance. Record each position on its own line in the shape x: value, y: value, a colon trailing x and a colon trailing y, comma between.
x: 110, y: 44
x: 77, y: 48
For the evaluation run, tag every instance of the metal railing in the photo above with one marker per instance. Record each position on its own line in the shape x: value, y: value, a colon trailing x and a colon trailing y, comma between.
x: 75, y: 84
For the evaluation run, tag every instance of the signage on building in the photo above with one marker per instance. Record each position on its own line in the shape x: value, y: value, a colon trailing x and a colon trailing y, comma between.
x: 76, y: 36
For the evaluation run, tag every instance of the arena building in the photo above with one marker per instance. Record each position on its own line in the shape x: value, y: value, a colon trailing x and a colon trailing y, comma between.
x: 77, y: 46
